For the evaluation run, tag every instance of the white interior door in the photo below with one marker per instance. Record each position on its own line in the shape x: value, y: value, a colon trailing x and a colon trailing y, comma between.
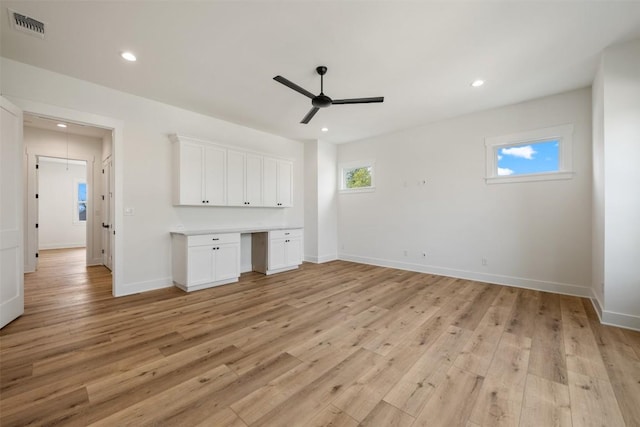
x: 36, y: 209
x: 11, y: 207
x: 107, y: 202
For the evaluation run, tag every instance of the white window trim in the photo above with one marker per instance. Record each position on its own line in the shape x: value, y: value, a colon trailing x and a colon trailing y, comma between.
x: 75, y: 219
x: 564, y: 135
x: 352, y: 165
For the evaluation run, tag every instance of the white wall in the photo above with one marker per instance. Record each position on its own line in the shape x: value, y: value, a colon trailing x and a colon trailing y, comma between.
x: 533, y: 234
x: 107, y: 147
x: 327, y: 202
x: 42, y: 142
x: 146, y: 162
x: 311, y: 201
x: 597, y: 231
x: 321, y: 219
x: 57, y: 228
x: 621, y: 82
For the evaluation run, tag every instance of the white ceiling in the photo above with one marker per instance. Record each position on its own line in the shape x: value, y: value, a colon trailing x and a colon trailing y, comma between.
x: 219, y: 58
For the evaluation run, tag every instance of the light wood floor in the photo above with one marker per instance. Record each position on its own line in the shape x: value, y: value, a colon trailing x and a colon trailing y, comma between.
x: 338, y: 344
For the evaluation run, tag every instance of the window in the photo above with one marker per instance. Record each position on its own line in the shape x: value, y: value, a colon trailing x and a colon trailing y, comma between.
x: 357, y: 176
x: 80, y: 202
x: 538, y: 155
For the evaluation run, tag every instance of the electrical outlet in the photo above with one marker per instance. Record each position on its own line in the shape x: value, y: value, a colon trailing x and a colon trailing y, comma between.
x: 484, y: 262
x: 424, y: 254
x: 406, y: 253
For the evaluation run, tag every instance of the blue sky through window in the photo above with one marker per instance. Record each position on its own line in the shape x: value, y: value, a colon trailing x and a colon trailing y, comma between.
x: 536, y: 157
x: 82, y: 192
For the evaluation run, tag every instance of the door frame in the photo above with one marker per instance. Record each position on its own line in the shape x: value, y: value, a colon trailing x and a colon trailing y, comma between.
x: 107, y: 209
x: 117, y: 128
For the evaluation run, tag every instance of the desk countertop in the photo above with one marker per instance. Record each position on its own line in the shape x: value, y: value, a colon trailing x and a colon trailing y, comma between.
x: 247, y: 230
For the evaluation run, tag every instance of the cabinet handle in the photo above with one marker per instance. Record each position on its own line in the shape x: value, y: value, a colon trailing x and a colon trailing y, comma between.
x: 215, y: 238
x: 204, y: 201
x: 286, y: 234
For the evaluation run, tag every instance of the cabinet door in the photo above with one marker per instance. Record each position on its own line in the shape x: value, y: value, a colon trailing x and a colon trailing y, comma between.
x: 215, y: 176
x: 253, y: 180
x: 201, y: 265
x: 191, y: 174
x: 285, y: 183
x: 235, y: 178
x: 277, y: 254
x: 227, y: 262
x: 270, y: 182
x: 294, y: 251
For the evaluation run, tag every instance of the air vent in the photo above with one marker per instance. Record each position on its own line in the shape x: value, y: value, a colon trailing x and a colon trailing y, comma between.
x: 26, y: 24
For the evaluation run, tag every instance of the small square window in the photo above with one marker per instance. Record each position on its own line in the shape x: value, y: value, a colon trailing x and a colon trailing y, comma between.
x: 543, y: 154
x: 357, y: 176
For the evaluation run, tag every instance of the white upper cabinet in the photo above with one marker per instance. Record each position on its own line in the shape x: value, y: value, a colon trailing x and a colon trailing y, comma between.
x: 207, y: 174
x: 244, y: 179
x: 235, y: 178
x: 253, y: 179
x: 214, y: 167
x: 277, y: 182
x: 199, y: 177
x: 285, y: 183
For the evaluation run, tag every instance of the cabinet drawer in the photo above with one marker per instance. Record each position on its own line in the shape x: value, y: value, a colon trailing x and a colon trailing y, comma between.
x: 281, y: 234
x: 213, y: 239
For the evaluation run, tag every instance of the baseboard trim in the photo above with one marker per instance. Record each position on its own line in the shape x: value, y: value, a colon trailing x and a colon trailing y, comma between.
x: 95, y: 261
x: 321, y: 259
x: 518, y: 282
x: 42, y: 247
x: 597, y: 306
x: 148, y: 285
x: 626, y: 321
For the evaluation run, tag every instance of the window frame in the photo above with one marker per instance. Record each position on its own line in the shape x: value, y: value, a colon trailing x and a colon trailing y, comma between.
x: 346, y: 166
x: 76, y: 202
x: 563, y: 134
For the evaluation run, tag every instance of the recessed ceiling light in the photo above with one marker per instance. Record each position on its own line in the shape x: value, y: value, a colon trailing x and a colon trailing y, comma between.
x: 477, y: 83
x: 128, y: 56
x: 62, y: 125
x: 325, y: 129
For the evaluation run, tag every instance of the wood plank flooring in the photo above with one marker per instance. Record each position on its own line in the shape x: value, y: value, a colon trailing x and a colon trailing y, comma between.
x: 337, y: 344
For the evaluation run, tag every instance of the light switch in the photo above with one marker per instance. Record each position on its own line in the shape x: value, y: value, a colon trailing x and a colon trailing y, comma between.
x: 129, y: 211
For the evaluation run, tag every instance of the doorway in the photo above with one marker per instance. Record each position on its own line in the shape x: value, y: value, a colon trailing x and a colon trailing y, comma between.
x: 61, y: 206
x: 116, y: 128
x: 65, y: 194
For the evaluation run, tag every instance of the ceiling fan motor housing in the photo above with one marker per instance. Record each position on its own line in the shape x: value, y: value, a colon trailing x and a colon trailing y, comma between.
x: 321, y: 101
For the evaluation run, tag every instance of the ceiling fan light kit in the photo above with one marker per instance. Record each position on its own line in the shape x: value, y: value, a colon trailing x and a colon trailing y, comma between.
x: 322, y: 100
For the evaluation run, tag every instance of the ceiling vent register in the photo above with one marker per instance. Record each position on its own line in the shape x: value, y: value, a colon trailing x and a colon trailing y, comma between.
x: 26, y: 24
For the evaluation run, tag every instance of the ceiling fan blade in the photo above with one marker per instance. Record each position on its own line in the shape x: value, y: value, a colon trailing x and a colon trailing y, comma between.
x: 310, y: 115
x: 293, y: 86
x: 358, y: 100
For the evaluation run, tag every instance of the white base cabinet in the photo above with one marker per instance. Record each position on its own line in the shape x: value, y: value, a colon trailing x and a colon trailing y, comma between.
x: 276, y: 251
x: 204, y: 261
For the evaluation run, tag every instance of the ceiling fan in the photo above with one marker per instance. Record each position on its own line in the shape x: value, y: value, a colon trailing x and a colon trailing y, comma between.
x: 322, y: 100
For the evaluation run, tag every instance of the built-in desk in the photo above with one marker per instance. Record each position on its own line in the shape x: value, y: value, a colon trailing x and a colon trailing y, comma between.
x: 206, y: 258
